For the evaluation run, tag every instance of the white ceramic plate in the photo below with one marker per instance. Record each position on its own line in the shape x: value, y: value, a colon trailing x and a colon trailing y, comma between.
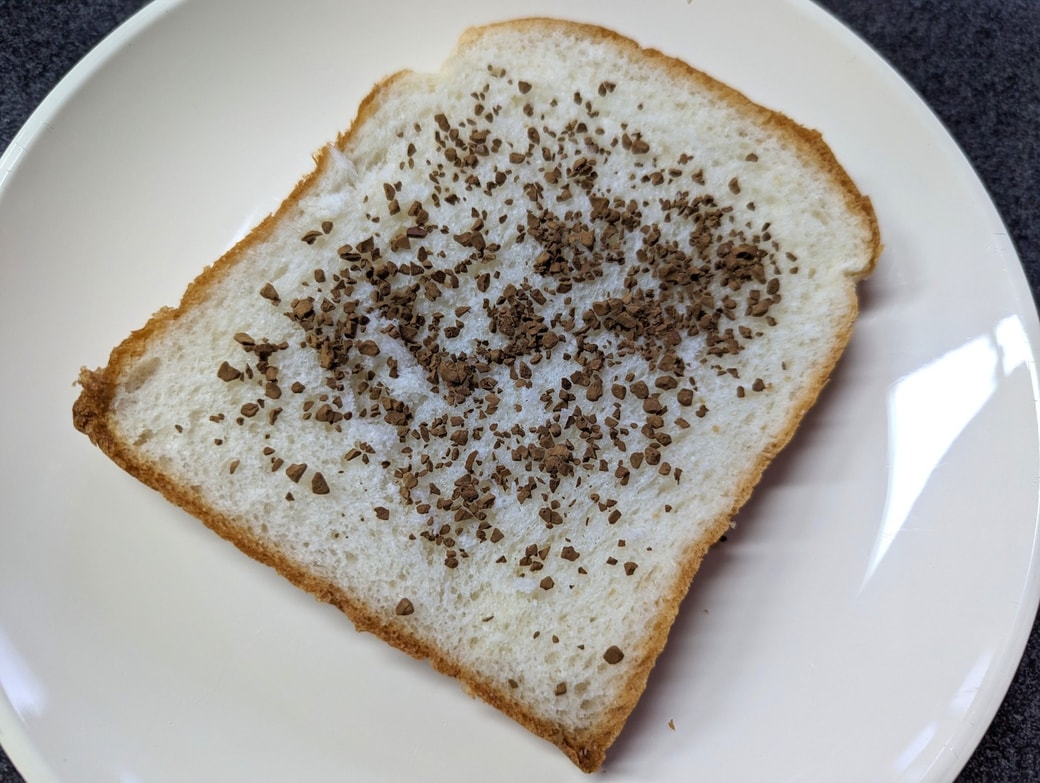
x: 862, y: 623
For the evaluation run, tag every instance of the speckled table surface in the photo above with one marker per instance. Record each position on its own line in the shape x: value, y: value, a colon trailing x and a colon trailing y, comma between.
x: 975, y: 62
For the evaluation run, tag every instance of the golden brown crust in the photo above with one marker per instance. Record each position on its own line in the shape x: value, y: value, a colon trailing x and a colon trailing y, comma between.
x: 587, y: 749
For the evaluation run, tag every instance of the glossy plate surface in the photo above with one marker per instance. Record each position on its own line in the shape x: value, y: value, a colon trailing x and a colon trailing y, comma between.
x: 861, y: 624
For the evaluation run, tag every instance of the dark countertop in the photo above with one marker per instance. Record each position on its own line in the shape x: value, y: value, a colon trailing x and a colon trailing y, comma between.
x: 975, y: 62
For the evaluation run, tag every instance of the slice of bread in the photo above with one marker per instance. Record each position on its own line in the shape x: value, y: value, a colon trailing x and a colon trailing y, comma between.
x: 497, y: 374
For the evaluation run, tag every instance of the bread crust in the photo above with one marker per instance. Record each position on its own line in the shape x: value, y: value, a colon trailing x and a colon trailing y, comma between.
x: 92, y: 410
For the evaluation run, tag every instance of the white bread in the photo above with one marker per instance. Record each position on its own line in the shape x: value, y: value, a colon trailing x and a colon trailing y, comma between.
x: 496, y: 374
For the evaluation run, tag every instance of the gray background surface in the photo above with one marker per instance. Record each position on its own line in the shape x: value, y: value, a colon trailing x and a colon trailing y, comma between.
x: 975, y: 62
